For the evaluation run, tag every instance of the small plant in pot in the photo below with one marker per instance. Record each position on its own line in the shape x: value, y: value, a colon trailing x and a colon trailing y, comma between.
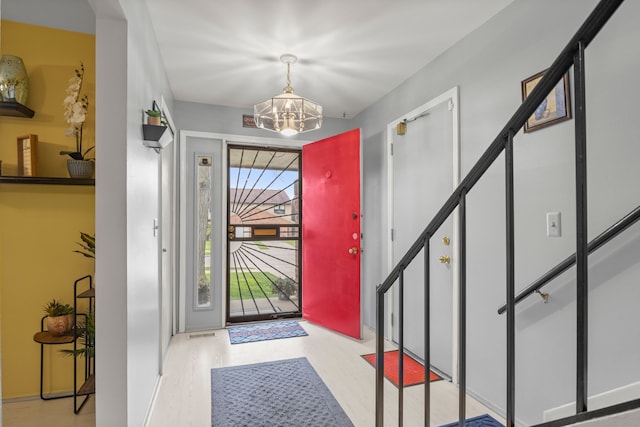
x: 60, y: 317
x: 284, y: 287
x: 76, y: 107
x: 154, y: 117
x: 75, y: 113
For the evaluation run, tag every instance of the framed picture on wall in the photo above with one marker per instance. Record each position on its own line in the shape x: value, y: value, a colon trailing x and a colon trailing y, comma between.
x: 248, y: 121
x: 555, y: 108
x: 27, y: 150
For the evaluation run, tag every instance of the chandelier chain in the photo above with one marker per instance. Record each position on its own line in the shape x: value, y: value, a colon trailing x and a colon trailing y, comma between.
x: 288, y: 74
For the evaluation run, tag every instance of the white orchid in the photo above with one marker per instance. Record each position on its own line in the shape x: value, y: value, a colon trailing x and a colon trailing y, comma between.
x: 75, y: 113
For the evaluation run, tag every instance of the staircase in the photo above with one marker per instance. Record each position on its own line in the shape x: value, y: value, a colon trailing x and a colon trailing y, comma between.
x: 571, y: 59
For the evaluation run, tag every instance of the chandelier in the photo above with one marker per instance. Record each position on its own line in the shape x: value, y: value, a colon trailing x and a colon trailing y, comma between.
x: 288, y: 113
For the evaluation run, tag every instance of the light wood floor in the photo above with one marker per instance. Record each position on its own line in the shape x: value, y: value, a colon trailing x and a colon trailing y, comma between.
x: 184, y: 395
x: 49, y: 413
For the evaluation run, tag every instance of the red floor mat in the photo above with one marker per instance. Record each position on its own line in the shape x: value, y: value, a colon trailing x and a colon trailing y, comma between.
x: 413, y: 371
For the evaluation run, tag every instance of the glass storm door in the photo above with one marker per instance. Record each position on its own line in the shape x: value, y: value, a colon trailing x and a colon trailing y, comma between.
x: 263, y: 234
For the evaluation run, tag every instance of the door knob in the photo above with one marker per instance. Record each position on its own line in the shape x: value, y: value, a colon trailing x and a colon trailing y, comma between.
x: 353, y: 251
x: 446, y: 241
x: 444, y: 259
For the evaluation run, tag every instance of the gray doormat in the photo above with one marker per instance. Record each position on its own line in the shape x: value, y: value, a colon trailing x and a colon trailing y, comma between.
x: 265, y: 331
x: 281, y: 393
x: 485, y: 420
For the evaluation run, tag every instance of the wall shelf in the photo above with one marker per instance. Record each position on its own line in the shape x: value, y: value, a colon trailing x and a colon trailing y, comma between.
x: 154, y: 136
x: 15, y: 109
x: 46, y: 180
x: 153, y: 132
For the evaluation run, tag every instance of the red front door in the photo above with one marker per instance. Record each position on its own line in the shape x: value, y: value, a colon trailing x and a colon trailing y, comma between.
x: 331, y: 233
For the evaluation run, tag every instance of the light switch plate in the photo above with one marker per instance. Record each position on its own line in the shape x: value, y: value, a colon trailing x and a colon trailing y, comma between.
x: 553, y: 224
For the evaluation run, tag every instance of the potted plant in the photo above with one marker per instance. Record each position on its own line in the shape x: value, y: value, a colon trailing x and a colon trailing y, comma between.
x: 75, y: 114
x: 88, y: 245
x: 87, y: 337
x: 154, y: 117
x: 60, y: 317
x: 284, y: 287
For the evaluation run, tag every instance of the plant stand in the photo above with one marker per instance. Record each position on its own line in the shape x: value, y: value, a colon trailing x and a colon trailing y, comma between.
x: 46, y: 338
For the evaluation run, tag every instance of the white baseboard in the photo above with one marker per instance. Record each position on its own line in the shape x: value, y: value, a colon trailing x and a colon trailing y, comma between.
x: 597, y: 401
x: 152, y: 404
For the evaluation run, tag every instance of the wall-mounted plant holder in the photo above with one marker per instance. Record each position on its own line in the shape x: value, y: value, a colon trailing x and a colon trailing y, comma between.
x: 155, y: 135
x: 153, y: 132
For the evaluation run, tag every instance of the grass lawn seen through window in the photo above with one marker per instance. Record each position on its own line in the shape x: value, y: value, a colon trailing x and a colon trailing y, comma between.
x: 258, y: 284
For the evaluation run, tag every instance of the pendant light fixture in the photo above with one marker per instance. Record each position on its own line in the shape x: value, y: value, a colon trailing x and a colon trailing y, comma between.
x: 288, y: 113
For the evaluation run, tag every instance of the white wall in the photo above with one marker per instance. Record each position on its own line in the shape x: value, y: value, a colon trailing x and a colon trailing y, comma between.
x: 71, y: 15
x: 111, y: 221
x: 626, y: 419
x: 129, y: 75
x: 226, y: 120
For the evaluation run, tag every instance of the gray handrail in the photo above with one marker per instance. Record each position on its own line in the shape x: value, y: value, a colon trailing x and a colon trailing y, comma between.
x: 611, y: 232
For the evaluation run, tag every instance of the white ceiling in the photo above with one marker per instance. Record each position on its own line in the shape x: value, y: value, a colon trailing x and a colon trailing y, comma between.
x: 351, y: 52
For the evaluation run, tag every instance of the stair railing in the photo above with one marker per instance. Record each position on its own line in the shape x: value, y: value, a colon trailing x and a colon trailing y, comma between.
x: 571, y: 55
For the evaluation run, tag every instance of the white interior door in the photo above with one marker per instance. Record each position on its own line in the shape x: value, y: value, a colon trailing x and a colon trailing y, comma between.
x: 167, y: 254
x: 167, y: 244
x: 424, y: 168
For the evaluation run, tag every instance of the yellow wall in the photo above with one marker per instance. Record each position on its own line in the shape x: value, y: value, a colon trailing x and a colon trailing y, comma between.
x: 40, y: 224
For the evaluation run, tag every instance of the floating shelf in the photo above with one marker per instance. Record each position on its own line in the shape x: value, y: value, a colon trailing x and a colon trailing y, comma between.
x: 15, y: 109
x: 156, y: 137
x: 45, y: 180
